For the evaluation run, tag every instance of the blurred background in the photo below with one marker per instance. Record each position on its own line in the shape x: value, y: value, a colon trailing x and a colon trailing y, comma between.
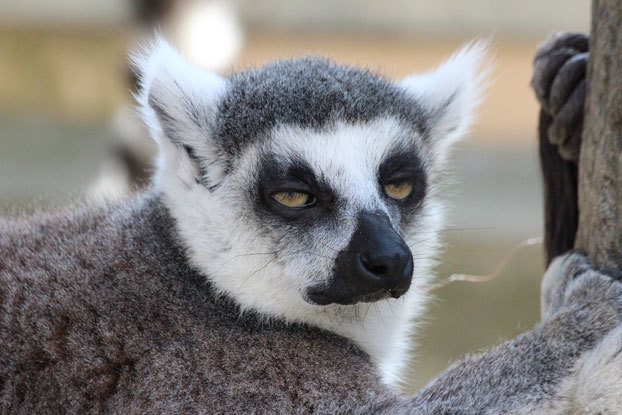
x: 67, y: 125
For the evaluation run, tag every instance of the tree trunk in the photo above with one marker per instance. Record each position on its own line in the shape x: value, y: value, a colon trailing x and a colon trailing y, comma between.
x: 600, y: 163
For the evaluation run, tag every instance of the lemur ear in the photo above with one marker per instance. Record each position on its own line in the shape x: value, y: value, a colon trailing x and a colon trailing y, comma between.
x: 178, y: 102
x: 450, y: 94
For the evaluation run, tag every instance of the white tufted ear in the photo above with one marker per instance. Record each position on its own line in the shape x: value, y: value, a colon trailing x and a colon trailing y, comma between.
x: 451, y: 93
x: 178, y: 102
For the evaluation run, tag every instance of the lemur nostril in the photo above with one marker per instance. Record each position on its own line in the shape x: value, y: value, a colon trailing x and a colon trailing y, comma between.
x: 379, y: 270
x: 376, y: 269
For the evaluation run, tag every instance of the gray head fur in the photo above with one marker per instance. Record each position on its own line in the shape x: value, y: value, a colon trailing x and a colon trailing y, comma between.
x: 308, y: 92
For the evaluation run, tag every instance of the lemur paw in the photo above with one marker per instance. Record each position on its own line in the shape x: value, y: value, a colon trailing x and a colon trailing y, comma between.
x: 559, y: 83
x: 572, y: 282
x: 562, y: 270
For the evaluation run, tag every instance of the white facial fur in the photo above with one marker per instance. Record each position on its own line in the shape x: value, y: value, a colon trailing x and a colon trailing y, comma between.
x: 267, y: 269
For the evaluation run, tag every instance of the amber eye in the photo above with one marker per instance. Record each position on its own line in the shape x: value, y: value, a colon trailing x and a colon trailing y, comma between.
x: 294, y: 199
x: 398, y: 190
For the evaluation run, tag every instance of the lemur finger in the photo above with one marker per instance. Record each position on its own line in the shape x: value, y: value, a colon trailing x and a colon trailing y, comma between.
x: 571, y: 72
x: 571, y: 149
x: 578, y: 284
x: 568, y: 118
x: 598, y: 293
x: 545, y: 69
x: 550, y: 55
x: 562, y: 270
x: 575, y: 40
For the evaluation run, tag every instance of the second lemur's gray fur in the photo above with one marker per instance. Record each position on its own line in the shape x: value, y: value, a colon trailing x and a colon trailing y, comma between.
x: 278, y: 262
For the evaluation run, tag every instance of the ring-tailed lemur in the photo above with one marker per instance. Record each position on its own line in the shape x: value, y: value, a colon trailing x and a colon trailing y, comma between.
x: 278, y: 262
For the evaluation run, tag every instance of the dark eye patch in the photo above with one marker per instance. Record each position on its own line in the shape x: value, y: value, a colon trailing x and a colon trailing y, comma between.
x: 278, y: 175
x: 404, y: 166
x: 295, y: 175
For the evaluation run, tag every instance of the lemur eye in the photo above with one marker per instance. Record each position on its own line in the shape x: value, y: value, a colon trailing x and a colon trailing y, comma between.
x: 294, y: 199
x: 398, y: 190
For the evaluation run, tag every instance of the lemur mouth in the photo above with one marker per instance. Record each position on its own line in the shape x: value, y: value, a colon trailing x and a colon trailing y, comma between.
x: 319, y: 296
x: 376, y: 264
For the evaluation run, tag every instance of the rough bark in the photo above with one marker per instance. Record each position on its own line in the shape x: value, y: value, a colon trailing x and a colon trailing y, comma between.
x: 600, y: 163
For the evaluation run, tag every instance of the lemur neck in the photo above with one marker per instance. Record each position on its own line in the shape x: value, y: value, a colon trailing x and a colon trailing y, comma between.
x: 382, y: 329
x: 385, y: 330
x: 154, y: 234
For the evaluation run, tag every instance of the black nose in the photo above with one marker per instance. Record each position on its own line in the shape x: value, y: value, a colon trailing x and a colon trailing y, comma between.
x: 375, y: 264
x: 388, y: 261
x: 383, y: 257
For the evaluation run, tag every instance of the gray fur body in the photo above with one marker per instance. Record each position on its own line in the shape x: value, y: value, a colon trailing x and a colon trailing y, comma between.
x: 101, y: 313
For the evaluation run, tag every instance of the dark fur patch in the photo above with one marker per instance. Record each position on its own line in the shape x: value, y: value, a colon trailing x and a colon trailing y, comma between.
x: 403, y: 165
x: 282, y: 175
x: 560, y: 180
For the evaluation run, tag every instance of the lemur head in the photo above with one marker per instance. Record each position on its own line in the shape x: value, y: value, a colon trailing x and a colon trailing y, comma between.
x: 306, y: 184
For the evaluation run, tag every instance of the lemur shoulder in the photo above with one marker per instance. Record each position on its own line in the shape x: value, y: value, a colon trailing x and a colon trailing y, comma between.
x: 278, y: 262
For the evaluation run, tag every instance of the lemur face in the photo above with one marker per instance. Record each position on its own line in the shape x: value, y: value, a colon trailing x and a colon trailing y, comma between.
x: 306, y: 182
x: 336, y: 202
